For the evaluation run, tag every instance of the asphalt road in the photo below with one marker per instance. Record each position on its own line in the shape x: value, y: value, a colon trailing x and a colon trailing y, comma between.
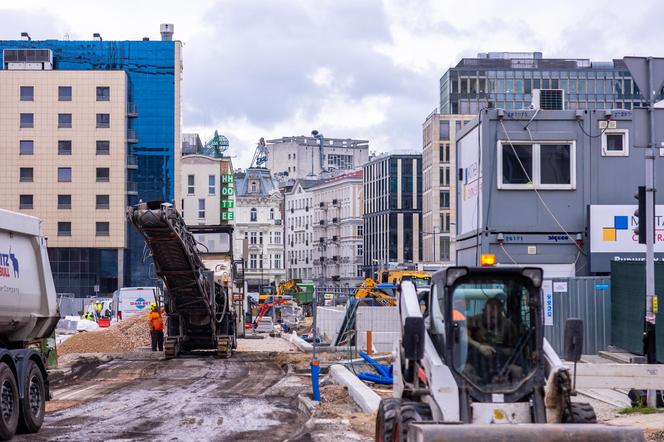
x: 245, y: 398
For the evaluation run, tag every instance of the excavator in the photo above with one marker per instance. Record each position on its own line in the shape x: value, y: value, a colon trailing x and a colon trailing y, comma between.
x: 472, y: 364
x: 197, y: 301
x: 368, y: 290
x: 284, y: 288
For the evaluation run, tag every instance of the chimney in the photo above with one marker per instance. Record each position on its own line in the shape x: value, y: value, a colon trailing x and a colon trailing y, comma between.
x: 166, y: 31
x: 96, y: 36
x: 25, y: 36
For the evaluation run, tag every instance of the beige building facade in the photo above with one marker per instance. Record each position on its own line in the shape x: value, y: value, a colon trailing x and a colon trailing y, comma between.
x: 439, y: 185
x: 63, y: 136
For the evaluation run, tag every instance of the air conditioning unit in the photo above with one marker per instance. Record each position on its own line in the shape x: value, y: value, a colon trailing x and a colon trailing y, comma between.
x: 548, y: 99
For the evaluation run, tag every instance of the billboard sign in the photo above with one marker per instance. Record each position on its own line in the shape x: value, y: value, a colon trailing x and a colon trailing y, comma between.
x: 612, y: 236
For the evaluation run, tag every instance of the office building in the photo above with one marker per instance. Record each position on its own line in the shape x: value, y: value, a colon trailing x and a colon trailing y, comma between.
x: 302, y: 157
x: 89, y: 127
x: 392, y: 210
x: 506, y: 80
x: 258, y: 234
x: 338, y: 229
x: 439, y: 186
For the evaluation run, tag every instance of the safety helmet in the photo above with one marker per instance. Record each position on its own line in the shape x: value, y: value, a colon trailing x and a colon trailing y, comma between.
x: 153, y: 305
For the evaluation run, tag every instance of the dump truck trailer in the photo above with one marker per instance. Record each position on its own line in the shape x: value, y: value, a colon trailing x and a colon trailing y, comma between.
x: 198, y: 304
x: 28, y: 313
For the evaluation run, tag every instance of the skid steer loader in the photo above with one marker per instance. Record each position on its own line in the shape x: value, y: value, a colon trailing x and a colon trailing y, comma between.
x: 472, y: 364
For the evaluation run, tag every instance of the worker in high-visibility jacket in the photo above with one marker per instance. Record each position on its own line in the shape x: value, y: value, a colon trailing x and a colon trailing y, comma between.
x: 156, y: 328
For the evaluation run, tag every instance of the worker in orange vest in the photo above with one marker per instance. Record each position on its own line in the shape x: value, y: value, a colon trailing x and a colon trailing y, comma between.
x: 156, y: 328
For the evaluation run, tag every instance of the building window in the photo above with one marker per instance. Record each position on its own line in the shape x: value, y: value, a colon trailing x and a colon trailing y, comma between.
x: 253, y: 261
x: 27, y: 120
x: 271, y: 213
x: 103, y: 201
x: 277, y: 237
x: 26, y: 147
x: 444, y: 199
x: 103, y: 228
x: 445, y: 153
x: 27, y: 93
x: 103, y: 147
x: 253, y: 215
x: 253, y: 238
x: 444, y: 249
x: 445, y: 222
x: 444, y: 178
x: 253, y: 185
x: 444, y: 130
x: 340, y: 161
x: 277, y: 261
x: 64, y: 121
x: 212, y: 186
x: 64, y: 93
x: 201, y: 208
x: 64, y: 174
x: 360, y: 250
x: 25, y: 201
x: 64, y: 147
x: 64, y: 228
x: 615, y: 143
x: 64, y: 201
x: 103, y: 121
x: 190, y: 185
x: 360, y: 230
x: 103, y: 174
x: 103, y: 93
x: 549, y: 165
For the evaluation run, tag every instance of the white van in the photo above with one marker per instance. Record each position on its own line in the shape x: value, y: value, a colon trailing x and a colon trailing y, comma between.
x: 132, y: 300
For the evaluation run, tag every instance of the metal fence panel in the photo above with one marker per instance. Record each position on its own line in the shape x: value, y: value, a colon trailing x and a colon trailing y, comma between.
x: 70, y: 306
x: 588, y: 298
x: 383, y: 323
x: 328, y: 320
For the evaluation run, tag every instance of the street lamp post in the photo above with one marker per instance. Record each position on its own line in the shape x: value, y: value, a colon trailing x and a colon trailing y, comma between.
x: 315, y: 364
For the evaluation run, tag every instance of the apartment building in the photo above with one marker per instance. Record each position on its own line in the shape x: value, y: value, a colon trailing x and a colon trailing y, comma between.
x: 392, y: 210
x: 258, y: 234
x: 439, y: 185
x: 88, y: 127
x: 299, y: 209
x: 338, y: 229
x: 307, y: 157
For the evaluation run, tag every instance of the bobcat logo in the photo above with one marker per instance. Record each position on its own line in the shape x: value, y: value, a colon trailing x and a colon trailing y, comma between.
x: 14, y: 261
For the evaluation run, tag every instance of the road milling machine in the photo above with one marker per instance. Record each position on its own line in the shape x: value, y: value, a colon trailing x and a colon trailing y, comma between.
x: 472, y: 364
x: 197, y: 301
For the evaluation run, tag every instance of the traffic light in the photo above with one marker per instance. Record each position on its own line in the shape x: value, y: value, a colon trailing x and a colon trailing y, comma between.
x: 640, y: 215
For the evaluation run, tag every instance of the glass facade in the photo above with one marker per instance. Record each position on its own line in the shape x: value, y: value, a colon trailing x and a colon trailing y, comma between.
x: 78, y: 270
x: 151, y: 70
x: 508, y: 83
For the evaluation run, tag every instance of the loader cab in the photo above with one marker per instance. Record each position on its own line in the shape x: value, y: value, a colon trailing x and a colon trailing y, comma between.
x: 486, y: 325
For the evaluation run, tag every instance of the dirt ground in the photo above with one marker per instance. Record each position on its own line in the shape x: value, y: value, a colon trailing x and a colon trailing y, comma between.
x: 336, y: 403
x: 125, y: 336
x: 652, y: 424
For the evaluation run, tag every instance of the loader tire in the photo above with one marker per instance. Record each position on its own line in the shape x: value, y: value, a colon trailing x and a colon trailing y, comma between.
x: 580, y: 413
x: 411, y: 412
x: 34, y: 400
x: 9, y: 404
x: 386, y: 419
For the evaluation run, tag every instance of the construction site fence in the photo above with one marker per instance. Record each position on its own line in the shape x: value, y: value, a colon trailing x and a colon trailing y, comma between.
x: 587, y: 298
x: 70, y: 305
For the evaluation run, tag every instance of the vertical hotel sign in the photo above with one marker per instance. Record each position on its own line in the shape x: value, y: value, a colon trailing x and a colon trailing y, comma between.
x: 227, y: 202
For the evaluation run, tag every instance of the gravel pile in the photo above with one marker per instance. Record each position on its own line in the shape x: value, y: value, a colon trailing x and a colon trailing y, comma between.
x: 125, y: 336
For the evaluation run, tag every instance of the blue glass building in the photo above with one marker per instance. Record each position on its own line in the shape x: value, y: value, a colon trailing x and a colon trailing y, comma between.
x: 153, y: 70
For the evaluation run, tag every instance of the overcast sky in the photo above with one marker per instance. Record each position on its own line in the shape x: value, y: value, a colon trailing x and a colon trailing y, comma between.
x: 365, y: 69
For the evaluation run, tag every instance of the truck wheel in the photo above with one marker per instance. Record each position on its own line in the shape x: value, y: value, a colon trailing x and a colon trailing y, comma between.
x: 9, y: 405
x: 411, y: 412
x: 34, y: 400
x: 386, y: 419
x: 580, y: 413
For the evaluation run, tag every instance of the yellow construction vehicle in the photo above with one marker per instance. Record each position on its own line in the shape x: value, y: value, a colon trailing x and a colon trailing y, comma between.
x: 284, y: 288
x: 421, y: 280
x: 369, y: 289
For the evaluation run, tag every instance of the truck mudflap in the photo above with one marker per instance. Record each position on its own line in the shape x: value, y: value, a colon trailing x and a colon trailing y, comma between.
x: 432, y: 432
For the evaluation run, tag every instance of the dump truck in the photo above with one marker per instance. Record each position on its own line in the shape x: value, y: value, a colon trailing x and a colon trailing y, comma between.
x: 472, y: 363
x: 197, y: 300
x: 28, y: 314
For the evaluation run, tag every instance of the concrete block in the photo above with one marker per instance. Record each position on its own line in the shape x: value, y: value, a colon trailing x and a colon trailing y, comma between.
x: 363, y: 396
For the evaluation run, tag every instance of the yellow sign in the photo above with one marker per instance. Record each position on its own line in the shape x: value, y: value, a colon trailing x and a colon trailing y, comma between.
x: 655, y: 307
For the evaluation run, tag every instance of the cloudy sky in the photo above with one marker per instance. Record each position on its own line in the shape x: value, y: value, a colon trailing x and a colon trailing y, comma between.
x: 366, y: 69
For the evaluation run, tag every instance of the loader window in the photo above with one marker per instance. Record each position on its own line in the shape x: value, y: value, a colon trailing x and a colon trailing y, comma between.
x: 494, y: 342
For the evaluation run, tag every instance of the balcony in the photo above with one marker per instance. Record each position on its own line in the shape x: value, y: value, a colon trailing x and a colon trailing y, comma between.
x: 132, y: 136
x: 132, y: 162
x: 322, y: 205
x: 277, y: 222
x: 335, y: 220
x: 132, y: 110
x: 321, y: 222
x: 335, y: 238
x: 335, y: 202
x: 132, y: 188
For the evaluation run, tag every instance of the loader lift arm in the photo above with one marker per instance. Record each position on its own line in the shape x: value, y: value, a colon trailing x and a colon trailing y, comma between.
x: 198, y: 309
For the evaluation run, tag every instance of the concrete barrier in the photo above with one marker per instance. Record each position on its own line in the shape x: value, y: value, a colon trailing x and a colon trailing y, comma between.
x: 363, y: 396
